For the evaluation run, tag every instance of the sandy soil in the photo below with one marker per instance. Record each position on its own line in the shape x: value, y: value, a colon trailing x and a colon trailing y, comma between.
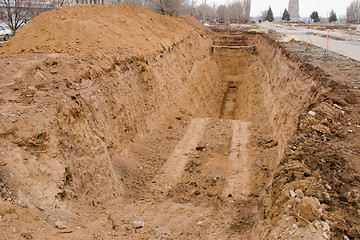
x: 181, y: 142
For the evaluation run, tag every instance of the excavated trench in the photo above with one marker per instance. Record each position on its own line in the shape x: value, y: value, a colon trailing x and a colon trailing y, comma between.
x: 221, y: 164
x: 183, y: 156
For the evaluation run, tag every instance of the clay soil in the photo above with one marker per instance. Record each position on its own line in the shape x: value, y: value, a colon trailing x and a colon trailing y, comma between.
x: 166, y: 137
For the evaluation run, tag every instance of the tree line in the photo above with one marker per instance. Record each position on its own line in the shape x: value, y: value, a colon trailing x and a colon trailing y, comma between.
x: 236, y: 11
x: 352, y: 14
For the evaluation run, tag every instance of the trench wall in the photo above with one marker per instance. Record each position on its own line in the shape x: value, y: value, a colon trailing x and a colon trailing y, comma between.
x: 287, y: 89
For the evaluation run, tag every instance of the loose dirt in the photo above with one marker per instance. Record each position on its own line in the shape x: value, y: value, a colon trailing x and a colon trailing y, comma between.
x: 151, y: 133
x: 124, y: 29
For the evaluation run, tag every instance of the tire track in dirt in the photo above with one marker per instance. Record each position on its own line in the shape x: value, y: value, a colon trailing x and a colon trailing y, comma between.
x: 238, y: 184
x: 175, y: 165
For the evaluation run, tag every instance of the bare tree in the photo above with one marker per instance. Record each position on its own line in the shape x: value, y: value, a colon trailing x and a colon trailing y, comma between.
x: 191, y: 8
x: 353, y: 12
x: 34, y: 8
x: 263, y: 15
x: 14, y: 13
x: 167, y: 7
x: 188, y: 7
x: 205, y: 12
x: 237, y: 11
x: 221, y: 12
x: 247, y: 8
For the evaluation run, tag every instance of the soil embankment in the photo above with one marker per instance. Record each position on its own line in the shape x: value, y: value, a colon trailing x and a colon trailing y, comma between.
x: 123, y: 30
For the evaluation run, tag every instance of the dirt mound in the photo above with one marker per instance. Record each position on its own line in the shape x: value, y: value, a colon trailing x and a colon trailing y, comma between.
x: 84, y: 28
x: 192, y: 21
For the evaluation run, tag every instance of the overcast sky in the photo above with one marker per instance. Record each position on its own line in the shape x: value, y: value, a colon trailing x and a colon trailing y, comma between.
x: 306, y: 6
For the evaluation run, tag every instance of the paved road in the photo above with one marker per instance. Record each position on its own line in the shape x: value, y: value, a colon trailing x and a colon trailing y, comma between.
x: 349, y: 49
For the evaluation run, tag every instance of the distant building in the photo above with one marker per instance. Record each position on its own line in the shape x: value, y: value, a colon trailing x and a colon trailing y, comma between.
x: 294, y: 10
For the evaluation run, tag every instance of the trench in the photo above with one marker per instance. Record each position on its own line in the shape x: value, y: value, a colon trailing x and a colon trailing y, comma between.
x: 227, y: 161
x: 170, y: 145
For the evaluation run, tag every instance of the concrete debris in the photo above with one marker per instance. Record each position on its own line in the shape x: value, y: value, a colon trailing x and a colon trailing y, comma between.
x: 292, y: 194
x: 325, y: 226
x: 200, y: 223
x: 60, y: 225
x: 138, y: 224
x: 311, y: 113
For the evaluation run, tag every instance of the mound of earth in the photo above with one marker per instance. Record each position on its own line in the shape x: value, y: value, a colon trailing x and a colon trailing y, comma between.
x: 84, y: 28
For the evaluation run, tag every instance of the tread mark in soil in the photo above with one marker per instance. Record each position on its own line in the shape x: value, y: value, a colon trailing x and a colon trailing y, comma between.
x: 175, y: 165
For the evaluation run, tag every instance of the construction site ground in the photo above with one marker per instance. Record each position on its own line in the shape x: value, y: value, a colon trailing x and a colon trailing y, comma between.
x: 161, y: 128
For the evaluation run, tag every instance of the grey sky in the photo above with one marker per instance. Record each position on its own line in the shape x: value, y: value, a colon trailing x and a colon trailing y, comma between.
x: 306, y: 6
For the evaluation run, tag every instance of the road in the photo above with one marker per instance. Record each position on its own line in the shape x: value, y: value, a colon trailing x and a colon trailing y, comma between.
x: 349, y: 47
